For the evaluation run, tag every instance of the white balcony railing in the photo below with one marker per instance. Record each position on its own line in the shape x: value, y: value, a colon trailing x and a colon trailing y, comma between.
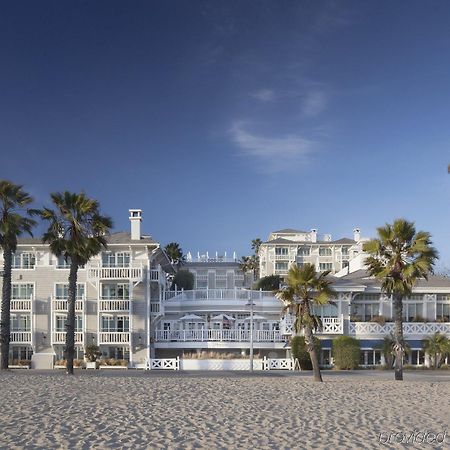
x: 111, y: 305
x: 330, y: 325
x: 134, y: 272
x: 59, y: 337
x: 20, y: 337
x: 21, y: 305
x: 114, y: 337
x: 61, y: 305
x: 282, y: 257
x: 218, y: 336
x: 218, y: 294
x: 409, y: 328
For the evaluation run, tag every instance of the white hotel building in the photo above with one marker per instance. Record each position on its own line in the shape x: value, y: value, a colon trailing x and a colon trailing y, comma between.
x: 126, y: 307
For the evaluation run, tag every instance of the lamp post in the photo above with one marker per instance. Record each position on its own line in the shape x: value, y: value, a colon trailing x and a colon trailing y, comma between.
x: 251, y: 304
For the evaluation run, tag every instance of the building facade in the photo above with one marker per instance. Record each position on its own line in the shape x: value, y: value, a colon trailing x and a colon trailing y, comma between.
x: 288, y: 246
x: 118, y: 292
x: 126, y: 305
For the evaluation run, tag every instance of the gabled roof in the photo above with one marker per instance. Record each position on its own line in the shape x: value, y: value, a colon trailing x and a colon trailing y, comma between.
x: 281, y: 241
x: 289, y: 231
x: 344, y: 241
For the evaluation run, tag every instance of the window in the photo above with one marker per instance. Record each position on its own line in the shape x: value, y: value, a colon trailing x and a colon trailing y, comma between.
x: 113, y: 324
x: 282, y: 251
x: 370, y: 357
x: 22, y: 353
x: 23, y: 260
x: 20, y: 322
x: 417, y: 357
x: 326, y: 310
x: 364, y: 312
x: 62, y: 291
x: 281, y: 266
x: 325, y: 266
x: 325, y: 251
x: 21, y: 291
x: 443, y: 311
x: 325, y: 357
x: 61, y: 322
x: 345, y: 251
x: 119, y: 291
x: 304, y: 251
x: 413, y: 312
x: 119, y: 259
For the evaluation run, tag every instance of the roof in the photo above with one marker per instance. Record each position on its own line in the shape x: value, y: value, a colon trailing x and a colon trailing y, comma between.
x: 361, y: 277
x: 289, y: 230
x: 343, y: 241
x: 281, y: 241
x: 120, y: 237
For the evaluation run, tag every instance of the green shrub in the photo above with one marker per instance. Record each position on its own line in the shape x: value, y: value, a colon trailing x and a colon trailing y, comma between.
x: 183, y: 279
x: 269, y: 283
x: 299, y: 351
x: 346, y: 353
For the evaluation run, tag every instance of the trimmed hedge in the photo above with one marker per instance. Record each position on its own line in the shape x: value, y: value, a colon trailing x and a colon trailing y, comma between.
x: 299, y: 351
x: 346, y: 353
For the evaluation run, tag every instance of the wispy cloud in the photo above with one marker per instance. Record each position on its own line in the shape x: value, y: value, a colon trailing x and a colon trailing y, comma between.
x: 314, y: 102
x: 272, y: 154
x: 264, y: 95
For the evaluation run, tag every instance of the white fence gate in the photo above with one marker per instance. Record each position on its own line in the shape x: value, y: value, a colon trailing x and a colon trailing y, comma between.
x: 164, y: 364
x: 280, y: 364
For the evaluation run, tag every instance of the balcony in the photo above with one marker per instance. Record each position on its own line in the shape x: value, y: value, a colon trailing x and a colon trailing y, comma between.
x: 282, y: 257
x: 420, y: 329
x: 113, y: 337
x: 218, y: 294
x: 20, y: 305
x: 133, y: 273
x: 217, y: 336
x: 59, y: 337
x: 114, y: 305
x: 20, y: 337
x: 60, y: 305
x: 330, y: 325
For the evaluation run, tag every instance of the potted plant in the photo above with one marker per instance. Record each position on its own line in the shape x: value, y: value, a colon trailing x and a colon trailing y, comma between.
x: 91, y: 353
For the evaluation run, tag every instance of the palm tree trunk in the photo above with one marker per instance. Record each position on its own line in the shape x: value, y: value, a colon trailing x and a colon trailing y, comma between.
x: 398, y: 337
x: 5, y: 326
x: 70, y: 325
x: 309, y: 341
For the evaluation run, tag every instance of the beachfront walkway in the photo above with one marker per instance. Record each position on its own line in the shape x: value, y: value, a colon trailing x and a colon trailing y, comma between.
x: 277, y: 410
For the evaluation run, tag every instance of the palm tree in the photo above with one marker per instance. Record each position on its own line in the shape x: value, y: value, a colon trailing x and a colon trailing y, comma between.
x: 387, y: 347
x: 437, y: 346
x: 305, y: 289
x: 397, y: 258
x: 175, y: 253
x: 13, y: 223
x: 77, y: 231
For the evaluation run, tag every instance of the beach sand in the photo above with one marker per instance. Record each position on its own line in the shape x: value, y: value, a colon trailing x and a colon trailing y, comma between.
x: 222, y: 410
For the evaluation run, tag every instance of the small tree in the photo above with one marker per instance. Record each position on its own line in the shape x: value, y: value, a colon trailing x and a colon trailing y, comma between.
x: 269, y: 283
x: 346, y: 352
x: 175, y: 253
x: 300, y: 352
x: 14, y: 221
x: 306, y: 288
x: 183, y: 279
x: 92, y: 352
x: 437, y: 346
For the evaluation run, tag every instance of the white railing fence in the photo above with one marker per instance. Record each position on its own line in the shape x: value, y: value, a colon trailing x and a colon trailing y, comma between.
x: 218, y: 335
x: 409, y: 328
x: 280, y: 363
x: 164, y: 364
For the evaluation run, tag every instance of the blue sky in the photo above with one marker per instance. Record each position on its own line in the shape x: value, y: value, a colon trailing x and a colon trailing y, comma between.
x: 226, y: 120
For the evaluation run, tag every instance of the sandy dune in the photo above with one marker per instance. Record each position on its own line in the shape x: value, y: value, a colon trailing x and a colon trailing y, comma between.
x: 225, y: 410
